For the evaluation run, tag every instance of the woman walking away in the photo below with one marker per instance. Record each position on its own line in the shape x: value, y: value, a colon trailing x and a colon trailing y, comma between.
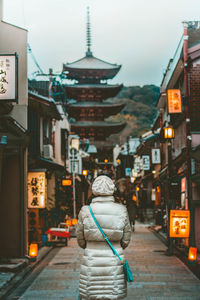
x: 102, y: 275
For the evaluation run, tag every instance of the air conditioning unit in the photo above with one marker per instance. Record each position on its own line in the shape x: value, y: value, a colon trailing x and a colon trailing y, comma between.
x: 48, y: 151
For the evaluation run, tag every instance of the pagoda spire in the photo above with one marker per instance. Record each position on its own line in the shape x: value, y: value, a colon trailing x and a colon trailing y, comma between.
x: 88, y: 34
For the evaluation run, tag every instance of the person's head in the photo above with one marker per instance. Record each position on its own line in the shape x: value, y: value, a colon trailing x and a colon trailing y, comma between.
x: 103, y: 186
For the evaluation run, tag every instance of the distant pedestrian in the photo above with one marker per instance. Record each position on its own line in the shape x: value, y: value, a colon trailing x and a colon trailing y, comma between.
x: 142, y: 205
x: 132, y: 211
x: 102, y: 274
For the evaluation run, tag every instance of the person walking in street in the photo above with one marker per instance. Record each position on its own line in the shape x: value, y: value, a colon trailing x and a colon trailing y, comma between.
x: 132, y: 211
x: 102, y: 274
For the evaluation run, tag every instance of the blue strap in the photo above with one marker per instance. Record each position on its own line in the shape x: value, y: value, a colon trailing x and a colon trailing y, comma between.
x: 105, y: 237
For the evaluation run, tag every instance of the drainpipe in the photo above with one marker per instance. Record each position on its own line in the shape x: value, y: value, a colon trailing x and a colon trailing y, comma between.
x: 22, y: 199
x: 188, y: 133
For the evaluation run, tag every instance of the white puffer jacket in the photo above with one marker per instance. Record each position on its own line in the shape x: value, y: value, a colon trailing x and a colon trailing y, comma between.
x: 102, y: 275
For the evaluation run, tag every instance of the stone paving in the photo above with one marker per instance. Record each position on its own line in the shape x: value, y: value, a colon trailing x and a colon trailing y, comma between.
x: 156, y: 276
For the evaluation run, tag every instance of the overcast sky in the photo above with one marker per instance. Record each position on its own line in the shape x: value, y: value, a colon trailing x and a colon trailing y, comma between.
x: 141, y: 35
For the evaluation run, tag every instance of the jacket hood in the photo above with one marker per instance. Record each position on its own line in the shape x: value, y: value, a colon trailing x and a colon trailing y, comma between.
x: 103, y: 186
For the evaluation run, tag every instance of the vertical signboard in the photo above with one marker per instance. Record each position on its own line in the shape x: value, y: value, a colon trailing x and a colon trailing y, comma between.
x: 155, y: 156
x: 179, y: 223
x: 174, y: 101
x: 37, y: 190
x: 145, y: 162
x: 137, y: 165
x: 8, y: 77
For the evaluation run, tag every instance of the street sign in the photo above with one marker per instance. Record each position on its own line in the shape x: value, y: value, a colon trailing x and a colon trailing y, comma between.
x: 128, y: 171
x: 145, y: 162
x: 155, y: 156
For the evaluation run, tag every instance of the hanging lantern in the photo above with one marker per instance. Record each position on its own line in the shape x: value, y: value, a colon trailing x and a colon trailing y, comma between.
x: 192, y: 255
x: 106, y: 161
x: 169, y: 132
x: 33, y: 251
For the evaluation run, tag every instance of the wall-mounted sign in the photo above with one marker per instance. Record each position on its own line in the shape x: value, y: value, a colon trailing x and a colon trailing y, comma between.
x: 37, y: 190
x: 155, y: 156
x: 179, y: 223
x: 128, y: 172
x: 174, y: 101
x: 8, y: 77
x: 137, y: 165
x: 145, y: 162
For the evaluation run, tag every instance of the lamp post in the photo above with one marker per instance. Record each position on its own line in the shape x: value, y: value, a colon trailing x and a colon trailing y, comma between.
x: 169, y: 135
x: 74, y: 144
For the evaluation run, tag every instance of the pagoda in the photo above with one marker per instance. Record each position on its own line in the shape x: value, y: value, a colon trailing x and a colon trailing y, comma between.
x: 89, y: 92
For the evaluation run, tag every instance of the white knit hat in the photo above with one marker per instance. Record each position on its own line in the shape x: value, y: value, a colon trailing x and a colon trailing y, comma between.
x: 103, y: 186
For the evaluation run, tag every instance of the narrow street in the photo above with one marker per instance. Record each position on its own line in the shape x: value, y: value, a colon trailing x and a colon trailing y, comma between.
x: 156, y: 276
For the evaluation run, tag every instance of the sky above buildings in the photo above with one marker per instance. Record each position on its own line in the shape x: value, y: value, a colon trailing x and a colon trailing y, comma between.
x: 141, y: 35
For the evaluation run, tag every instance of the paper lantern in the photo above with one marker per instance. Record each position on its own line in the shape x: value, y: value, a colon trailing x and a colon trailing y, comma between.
x: 33, y: 250
x: 192, y: 255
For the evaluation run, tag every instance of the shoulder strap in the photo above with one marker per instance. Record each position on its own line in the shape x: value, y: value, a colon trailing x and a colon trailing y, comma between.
x: 105, y: 237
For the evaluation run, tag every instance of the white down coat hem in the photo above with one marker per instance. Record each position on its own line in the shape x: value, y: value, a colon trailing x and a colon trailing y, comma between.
x: 102, y: 274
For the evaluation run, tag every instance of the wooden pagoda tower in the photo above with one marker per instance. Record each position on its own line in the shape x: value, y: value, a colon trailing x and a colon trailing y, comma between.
x: 90, y: 91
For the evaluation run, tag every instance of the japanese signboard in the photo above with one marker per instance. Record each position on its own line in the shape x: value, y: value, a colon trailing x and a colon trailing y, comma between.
x: 145, y: 162
x: 155, y: 156
x: 179, y: 223
x: 8, y: 77
x: 36, y: 190
x: 137, y: 165
x: 174, y: 101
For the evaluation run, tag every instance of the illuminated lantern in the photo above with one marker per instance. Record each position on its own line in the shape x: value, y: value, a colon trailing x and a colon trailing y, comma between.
x: 179, y: 223
x: 169, y: 132
x: 74, y: 221
x: 192, y: 256
x: 68, y: 222
x: 66, y: 182
x: 137, y: 188
x: 118, y: 161
x: 85, y: 172
x: 33, y: 251
x: 106, y: 161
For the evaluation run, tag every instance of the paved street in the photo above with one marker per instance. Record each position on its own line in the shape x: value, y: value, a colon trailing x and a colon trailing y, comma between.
x: 156, y: 276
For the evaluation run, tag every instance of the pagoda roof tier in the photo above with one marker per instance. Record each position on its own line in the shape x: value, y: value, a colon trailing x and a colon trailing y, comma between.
x: 92, y: 68
x: 96, y: 130
x: 90, y: 92
x: 107, y: 109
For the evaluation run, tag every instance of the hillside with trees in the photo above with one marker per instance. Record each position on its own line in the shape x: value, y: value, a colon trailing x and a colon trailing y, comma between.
x: 139, y: 112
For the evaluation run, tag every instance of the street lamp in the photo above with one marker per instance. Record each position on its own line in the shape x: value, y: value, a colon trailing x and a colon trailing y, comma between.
x: 169, y: 132
x: 169, y: 135
x: 74, y: 144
